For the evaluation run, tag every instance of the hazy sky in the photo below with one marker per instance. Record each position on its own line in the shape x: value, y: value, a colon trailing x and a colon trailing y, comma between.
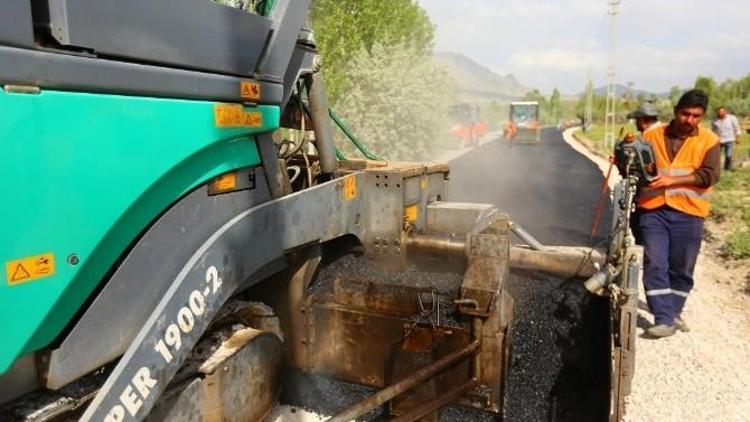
x: 554, y: 43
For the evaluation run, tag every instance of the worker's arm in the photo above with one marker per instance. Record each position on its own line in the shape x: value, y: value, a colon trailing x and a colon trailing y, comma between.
x: 705, y: 176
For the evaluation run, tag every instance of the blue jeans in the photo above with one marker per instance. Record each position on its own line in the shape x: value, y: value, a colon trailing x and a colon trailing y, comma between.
x: 671, y: 242
x: 727, y: 148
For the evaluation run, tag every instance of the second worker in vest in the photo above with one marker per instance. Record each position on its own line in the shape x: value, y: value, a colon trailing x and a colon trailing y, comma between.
x: 673, y: 207
x: 646, y: 118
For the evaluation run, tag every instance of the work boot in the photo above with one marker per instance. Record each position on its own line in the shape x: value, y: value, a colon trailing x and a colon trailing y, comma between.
x: 681, y: 325
x: 661, y: 330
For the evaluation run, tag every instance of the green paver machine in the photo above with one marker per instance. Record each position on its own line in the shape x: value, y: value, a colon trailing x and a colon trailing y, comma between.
x: 175, y: 217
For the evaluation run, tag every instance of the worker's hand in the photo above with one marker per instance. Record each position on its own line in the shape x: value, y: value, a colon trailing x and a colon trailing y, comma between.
x: 663, y: 182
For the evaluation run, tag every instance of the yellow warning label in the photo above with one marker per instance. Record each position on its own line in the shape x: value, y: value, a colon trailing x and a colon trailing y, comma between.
x: 30, y: 268
x: 225, y: 182
x: 424, y: 183
x: 233, y: 115
x: 250, y: 90
x: 252, y: 119
x: 411, y: 213
x: 350, y: 188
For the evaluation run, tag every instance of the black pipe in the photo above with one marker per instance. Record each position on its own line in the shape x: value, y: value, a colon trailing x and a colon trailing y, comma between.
x: 322, y: 126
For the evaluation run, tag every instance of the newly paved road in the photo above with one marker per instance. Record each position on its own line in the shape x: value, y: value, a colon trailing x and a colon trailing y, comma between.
x: 560, y: 358
x: 548, y: 188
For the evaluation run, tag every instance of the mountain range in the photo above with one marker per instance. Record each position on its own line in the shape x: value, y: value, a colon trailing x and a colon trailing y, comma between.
x: 476, y: 82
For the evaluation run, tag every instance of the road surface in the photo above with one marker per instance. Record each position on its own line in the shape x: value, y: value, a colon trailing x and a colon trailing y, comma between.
x: 560, y: 355
x: 548, y: 188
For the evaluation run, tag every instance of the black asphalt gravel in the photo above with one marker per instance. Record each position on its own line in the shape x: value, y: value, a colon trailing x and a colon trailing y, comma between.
x: 560, y: 356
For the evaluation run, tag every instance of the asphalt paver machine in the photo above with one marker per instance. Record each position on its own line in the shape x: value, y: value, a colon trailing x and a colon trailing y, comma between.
x: 177, y: 229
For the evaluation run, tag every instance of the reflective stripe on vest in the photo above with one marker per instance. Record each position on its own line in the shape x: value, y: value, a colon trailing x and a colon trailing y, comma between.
x: 690, y: 193
x: 666, y: 171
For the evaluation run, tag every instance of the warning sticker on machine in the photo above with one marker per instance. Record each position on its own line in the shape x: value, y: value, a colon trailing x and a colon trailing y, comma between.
x: 234, y: 115
x: 250, y: 90
x: 30, y: 268
x: 225, y: 182
x: 411, y: 213
x: 350, y: 188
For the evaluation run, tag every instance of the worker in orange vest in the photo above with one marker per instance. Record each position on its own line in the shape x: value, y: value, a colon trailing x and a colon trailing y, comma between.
x: 673, y: 207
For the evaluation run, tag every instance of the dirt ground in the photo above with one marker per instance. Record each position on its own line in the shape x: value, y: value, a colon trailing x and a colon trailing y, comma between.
x: 704, y: 374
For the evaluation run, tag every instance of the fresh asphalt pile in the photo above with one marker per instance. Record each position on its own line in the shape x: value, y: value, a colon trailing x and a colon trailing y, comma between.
x: 560, y: 364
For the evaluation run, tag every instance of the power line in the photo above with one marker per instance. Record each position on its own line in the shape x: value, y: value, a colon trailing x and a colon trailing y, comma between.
x: 589, y: 103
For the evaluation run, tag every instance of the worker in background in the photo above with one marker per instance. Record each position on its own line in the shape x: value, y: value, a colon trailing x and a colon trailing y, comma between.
x: 727, y: 127
x: 646, y: 118
x: 673, y: 207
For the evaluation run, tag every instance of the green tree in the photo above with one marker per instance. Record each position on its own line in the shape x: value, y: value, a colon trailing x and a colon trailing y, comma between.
x: 735, y: 95
x: 555, y: 106
x: 397, y: 102
x: 537, y: 96
x: 730, y: 93
x: 343, y: 28
x: 705, y: 83
x: 674, y: 94
x: 380, y: 74
x: 551, y: 110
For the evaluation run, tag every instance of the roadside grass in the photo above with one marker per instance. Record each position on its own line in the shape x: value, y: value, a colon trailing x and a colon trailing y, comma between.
x: 731, y: 201
x: 742, y: 149
x: 731, y: 204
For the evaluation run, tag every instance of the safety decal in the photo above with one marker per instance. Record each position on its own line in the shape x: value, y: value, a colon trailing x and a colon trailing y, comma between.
x: 250, y: 91
x: 233, y: 115
x: 225, y: 182
x: 30, y: 268
x: 350, y: 188
x: 411, y: 213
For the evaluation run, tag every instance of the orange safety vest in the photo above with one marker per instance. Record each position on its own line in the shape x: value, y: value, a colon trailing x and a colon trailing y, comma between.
x: 691, y: 200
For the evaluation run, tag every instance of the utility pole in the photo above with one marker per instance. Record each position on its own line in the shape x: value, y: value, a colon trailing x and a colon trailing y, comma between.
x: 589, y: 103
x: 609, y: 114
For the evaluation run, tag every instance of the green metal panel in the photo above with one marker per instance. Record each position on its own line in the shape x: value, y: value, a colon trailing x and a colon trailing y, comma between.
x: 84, y: 174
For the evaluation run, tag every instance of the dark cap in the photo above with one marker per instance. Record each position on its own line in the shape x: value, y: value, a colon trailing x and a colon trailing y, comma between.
x: 645, y: 110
